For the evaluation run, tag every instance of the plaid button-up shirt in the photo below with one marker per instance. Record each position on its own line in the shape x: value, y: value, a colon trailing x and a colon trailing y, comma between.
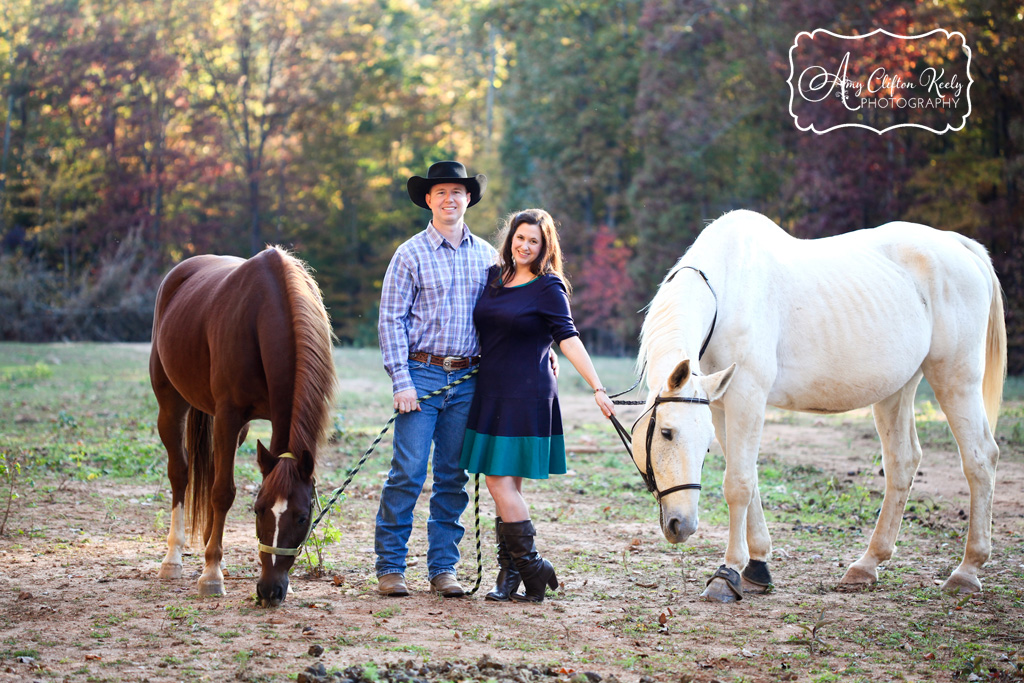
x: 426, y: 303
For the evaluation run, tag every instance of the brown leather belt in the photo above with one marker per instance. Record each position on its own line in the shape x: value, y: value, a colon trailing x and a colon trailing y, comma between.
x: 449, y: 363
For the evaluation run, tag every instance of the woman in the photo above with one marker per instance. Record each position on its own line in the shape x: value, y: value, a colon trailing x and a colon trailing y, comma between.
x: 515, y: 426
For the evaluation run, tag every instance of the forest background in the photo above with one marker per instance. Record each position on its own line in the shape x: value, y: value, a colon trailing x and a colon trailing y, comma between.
x: 136, y: 134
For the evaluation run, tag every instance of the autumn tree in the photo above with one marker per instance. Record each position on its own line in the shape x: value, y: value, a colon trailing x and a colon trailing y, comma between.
x: 601, y: 306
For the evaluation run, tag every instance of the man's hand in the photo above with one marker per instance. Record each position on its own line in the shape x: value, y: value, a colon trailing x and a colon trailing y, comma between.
x: 405, y: 401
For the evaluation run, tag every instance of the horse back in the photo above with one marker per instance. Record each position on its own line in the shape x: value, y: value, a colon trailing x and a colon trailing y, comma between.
x: 841, y: 322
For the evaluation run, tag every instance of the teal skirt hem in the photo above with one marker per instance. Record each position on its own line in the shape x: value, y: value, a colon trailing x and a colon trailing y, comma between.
x: 532, y: 457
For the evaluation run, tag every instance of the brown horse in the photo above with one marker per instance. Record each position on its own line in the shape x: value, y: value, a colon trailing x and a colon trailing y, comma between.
x: 237, y: 340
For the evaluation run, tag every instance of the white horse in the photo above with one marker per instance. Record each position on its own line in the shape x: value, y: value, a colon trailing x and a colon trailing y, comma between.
x: 820, y: 326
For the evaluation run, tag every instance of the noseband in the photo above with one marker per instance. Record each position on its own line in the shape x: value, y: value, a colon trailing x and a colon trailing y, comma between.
x: 291, y: 552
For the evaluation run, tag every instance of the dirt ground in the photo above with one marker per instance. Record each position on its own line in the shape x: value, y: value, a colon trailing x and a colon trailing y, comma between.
x: 80, y: 599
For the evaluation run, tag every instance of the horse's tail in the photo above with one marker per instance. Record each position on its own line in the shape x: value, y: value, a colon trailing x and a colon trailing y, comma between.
x: 199, y: 442
x: 995, y: 353
x: 995, y: 339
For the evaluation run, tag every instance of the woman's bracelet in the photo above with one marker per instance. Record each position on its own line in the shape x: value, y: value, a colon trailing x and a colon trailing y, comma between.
x: 600, y: 389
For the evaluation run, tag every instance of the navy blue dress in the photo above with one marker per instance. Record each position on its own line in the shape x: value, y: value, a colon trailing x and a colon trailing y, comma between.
x: 515, y: 425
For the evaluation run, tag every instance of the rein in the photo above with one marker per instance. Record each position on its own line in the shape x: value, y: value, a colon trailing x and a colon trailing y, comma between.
x: 336, y: 494
x: 627, y: 436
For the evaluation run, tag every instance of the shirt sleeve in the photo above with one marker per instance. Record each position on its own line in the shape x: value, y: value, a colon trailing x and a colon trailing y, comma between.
x: 396, y: 298
x: 554, y: 306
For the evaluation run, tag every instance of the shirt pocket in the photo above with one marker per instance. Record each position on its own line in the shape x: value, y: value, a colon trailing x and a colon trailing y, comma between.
x: 432, y: 289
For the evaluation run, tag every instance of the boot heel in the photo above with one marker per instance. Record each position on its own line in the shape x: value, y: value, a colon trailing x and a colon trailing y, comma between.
x: 553, y: 581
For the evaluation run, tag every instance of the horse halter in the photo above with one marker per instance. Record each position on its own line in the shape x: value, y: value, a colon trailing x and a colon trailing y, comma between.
x: 291, y: 552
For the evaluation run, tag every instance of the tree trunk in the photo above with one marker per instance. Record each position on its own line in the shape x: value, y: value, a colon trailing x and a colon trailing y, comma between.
x: 3, y: 165
x: 254, y: 224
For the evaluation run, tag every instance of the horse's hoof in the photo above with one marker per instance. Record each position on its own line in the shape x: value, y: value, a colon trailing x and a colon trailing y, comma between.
x: 718, y: 591
x: 856, y: 577
x: 169, y: 571
x: 211, y: 588
x: 756, y: 577
x: 961, y: 583
x: 723, y: 586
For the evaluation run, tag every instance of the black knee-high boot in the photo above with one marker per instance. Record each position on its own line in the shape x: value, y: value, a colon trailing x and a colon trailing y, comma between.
x: 535, y: 571
x: 508, y: 578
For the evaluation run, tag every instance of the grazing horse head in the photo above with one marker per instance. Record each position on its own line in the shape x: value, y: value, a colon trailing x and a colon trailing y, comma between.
x: 669, y: 443
x: 284, y: 512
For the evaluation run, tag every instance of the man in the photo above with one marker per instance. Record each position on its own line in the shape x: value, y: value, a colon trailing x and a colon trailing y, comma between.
x: 428, y: 341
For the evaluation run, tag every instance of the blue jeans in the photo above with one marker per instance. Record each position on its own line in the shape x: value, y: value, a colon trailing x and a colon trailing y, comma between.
x: 441, y: 420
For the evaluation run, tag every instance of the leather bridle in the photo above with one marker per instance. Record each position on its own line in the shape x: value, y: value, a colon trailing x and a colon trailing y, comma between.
x: 627, y: 437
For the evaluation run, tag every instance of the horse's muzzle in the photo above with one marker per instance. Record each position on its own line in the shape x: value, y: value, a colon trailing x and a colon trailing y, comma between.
x: 676, y: 526
x: 271, y: 593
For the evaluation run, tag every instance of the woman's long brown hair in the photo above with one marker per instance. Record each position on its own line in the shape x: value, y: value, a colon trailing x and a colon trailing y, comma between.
x: 549, y: 260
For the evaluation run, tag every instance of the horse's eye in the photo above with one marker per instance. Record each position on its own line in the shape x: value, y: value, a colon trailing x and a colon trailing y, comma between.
x: 667, y: 433
x: 303, y: 519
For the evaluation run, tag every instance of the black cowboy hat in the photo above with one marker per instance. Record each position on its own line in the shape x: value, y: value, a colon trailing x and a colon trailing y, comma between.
x: 446, y: 172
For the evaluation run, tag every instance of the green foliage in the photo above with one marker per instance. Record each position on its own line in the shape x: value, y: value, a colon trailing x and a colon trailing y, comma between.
x: 326, y: 534
x: 24, y: 374
x: 10, y: 470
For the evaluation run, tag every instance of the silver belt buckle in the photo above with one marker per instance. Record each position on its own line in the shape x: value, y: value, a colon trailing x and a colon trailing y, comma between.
x: 448, y: 360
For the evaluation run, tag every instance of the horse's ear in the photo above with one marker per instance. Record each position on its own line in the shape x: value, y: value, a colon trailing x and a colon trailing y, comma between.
x: 306, y: 464
x: 679, y: 376
x: 264, y: 459
x: 716, y: 384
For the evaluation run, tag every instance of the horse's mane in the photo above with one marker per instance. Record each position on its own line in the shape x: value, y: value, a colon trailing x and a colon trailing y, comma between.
x: 315, y: 379
x: 662, y: 330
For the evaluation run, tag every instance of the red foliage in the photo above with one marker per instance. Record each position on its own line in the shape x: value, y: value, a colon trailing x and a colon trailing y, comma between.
x: 604, y: 287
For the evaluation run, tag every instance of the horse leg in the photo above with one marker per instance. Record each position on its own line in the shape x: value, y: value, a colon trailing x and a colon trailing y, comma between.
x: 740, y: 488
x: 171, y: 426
x: 755, y: 576
x: 979, y: 454
x: 901, y: 455
x: 226, y: 427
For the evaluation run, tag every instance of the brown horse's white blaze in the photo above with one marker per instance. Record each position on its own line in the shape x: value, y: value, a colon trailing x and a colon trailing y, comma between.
x: 241, y: 340
x: 822, y: 326
x: 279, y: 509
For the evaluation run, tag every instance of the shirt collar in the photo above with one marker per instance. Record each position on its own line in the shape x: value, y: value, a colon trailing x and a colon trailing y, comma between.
x: 437, y: 239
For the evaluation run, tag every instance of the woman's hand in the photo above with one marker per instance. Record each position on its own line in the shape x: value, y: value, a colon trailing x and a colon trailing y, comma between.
x: 604, y: 403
